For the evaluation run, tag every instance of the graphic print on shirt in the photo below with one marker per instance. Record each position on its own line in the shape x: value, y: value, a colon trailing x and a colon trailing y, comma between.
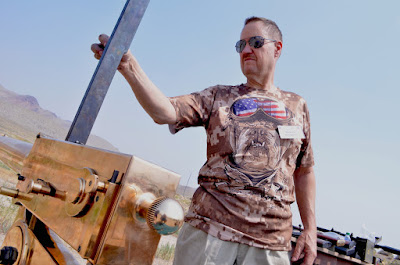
x: 257, y: 148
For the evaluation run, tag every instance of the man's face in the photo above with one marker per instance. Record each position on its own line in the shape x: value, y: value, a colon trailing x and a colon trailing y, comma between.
x: 257, y: 63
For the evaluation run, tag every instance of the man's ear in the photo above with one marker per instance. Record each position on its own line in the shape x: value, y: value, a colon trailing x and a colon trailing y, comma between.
x: 278, y: 49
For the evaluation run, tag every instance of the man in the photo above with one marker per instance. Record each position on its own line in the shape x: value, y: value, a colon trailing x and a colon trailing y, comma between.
x: 258, y: 156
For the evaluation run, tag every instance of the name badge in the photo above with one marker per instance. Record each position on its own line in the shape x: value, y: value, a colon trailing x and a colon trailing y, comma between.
x: 291, y: 132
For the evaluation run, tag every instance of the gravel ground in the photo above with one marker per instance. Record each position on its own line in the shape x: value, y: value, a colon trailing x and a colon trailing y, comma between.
x: 165, y: 240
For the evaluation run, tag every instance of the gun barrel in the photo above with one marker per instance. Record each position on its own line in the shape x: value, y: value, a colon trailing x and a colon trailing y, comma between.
x: 389, y: 249
x: 13, y: 152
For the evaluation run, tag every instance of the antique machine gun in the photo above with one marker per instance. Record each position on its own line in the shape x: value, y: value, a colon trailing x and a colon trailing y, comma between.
x: 111, y: 208
x: 335, y: 247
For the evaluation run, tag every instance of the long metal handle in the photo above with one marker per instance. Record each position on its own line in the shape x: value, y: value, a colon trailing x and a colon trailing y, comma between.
x: 118, y: 44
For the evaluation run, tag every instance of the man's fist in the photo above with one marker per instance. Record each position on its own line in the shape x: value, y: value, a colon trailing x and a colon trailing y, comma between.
x: 98, y: 49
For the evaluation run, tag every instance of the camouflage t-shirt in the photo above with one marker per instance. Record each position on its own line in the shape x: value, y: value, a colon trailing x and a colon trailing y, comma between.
x: 246, y: 184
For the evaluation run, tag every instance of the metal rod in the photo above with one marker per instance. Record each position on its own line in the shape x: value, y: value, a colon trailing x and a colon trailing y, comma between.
x: 118, y: 44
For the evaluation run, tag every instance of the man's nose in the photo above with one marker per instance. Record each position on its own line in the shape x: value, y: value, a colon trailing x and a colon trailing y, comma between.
x: 247, y: 48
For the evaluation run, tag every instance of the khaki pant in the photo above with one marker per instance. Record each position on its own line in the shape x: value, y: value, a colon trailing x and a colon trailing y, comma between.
x: 195, y: 247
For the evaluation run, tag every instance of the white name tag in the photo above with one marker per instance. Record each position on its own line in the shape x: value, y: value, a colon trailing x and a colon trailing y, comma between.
x: 291, y: 132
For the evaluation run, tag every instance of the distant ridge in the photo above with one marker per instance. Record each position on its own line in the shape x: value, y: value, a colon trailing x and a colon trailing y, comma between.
x: 21, y: 117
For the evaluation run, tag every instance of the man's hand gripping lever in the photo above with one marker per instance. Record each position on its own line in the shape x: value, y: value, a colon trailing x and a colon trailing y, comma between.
x: 153, y: 101
x: 98, y: 50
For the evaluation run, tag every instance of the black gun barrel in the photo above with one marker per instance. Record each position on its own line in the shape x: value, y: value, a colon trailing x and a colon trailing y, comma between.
x: 389, y: 249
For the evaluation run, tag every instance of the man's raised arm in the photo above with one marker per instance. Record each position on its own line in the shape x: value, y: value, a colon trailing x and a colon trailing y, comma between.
x: 153, y: 101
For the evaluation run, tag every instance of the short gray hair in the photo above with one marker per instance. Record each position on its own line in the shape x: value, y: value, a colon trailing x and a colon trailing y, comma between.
x: 270, y: 26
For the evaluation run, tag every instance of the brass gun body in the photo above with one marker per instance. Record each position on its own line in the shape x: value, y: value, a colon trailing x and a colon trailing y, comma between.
x: 109, y: 207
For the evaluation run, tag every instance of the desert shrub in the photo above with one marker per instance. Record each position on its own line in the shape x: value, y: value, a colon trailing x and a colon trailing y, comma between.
x: 165, y: 251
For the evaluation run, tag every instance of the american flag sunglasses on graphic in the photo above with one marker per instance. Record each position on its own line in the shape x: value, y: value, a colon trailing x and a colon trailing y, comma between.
x: 248, y: 106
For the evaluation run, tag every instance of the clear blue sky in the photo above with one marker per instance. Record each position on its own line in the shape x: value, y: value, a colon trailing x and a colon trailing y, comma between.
x: 341, y: 56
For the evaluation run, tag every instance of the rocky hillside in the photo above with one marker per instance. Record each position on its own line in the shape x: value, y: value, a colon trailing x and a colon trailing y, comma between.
x: 21, y: 117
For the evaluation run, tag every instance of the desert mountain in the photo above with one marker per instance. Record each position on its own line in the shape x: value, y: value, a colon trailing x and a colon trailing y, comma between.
x: 21, y: 117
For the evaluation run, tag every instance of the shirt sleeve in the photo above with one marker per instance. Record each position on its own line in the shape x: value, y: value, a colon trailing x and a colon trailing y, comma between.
x: 306, y: 155
x: 193, y: 109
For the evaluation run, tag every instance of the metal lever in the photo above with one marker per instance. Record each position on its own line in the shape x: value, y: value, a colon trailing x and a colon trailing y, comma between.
x: 117, y: 45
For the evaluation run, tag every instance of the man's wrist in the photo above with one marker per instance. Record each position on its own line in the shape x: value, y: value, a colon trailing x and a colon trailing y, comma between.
x: 310, y: 229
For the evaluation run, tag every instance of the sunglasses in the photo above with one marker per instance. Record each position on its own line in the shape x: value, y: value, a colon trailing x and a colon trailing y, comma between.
x: 248, y: 106
x: 255, y: 42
